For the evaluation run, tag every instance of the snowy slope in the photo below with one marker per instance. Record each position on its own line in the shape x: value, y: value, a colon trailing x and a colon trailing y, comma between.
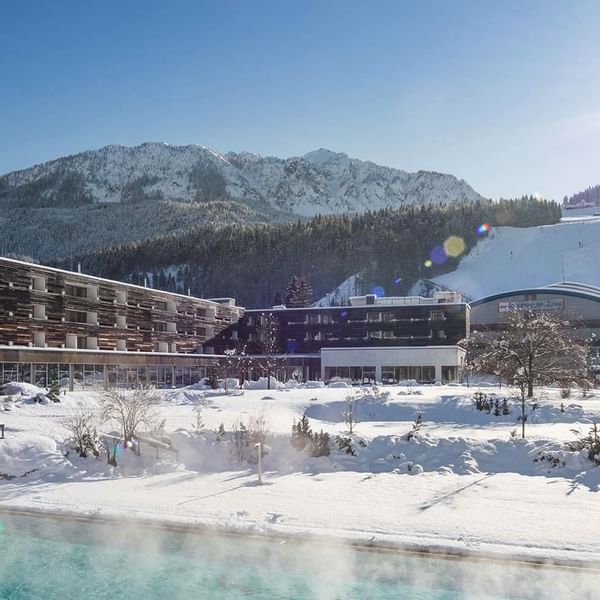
x: 512, y: 258
x: 319, y: 182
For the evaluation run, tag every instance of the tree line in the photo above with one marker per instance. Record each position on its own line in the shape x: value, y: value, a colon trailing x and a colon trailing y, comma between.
x: 253, y: 262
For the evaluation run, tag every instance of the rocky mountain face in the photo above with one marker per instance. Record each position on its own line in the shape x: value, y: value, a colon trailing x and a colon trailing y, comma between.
x: 320, y: 182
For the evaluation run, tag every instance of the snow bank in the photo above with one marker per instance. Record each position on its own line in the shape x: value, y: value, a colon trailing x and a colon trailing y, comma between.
x: 261, y: 384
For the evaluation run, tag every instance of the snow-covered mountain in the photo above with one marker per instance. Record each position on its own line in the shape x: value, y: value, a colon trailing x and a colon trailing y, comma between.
x: 513, y: 258
x: 319, y: 182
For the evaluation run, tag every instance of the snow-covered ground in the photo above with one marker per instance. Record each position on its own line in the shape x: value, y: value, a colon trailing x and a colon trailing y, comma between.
x: 462, y: 483
x: 509, y: 258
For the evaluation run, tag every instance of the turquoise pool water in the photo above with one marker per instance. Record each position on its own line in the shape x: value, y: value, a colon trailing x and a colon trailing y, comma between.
x: 49, y: 559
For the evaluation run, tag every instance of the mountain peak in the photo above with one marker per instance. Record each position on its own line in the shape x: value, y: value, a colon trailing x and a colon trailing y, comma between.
x: 322, y: 156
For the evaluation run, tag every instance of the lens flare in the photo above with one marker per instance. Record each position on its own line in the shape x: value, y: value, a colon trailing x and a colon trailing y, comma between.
x: 438, y: 255
x: 344, y: 314
x: 397, y: 281
x: 378, y: 291
x: 482, y: 230
x: 454, y: 246
x: 428, y: 263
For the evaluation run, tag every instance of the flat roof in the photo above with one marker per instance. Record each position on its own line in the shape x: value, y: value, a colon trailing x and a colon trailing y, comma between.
x: 382, y: 307
x: 110, y: 281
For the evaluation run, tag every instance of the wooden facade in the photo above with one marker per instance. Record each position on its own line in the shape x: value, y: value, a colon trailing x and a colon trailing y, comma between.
x: 44, y: 307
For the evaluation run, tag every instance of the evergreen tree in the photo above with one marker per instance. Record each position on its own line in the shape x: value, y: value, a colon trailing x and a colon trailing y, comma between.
x: 298, y: 293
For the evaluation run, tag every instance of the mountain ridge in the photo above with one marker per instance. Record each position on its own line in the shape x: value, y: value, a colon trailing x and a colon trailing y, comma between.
x: 319, y: 182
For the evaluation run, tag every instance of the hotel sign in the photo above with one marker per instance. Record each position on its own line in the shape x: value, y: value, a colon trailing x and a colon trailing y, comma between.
x: 530, y: 305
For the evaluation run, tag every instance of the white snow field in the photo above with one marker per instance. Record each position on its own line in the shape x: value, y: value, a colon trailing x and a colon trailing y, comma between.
x: 514, y: 258
x: 462, y: 484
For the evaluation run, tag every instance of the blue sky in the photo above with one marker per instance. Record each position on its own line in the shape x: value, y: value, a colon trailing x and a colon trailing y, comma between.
x: 505, y: 95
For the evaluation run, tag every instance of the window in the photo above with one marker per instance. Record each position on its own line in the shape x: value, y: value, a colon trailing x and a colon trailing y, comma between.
x: 38, y: 283
x: 121, y: 322
x: 312, y: 319
x: 39, y: 311
x: 39, y: 339
x: 437, y: 315
x: 76, y: 316
x: 373, y: 317
x: 449, y: 374
x: 172, y: 327
x: 160, y: 305
x: 121, y: 297
x: 201, y: 313
x: 76, y: 291
x: 122, y: 345
x: 325, y: 319
x: 387, y: 317
x: 441, y: 334
x: 160, y: 326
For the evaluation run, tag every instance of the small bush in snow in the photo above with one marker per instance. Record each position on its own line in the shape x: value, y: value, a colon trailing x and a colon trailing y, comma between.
x: 565, y: 392
x: 83, y: 437
x: 303, y: 438
x: 344, y: 444
x: 246, y: 437
x: 350, y: 413
x: 54, y: 391
x: 198, y: 422
x: 319, y: 444
x: 301, y: 433
x: 416, y: 427
x: 590, y: 443
x: 220, y: 432
x: 481, y: 402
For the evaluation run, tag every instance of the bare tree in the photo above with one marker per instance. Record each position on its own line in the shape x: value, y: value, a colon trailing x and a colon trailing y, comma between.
x: 350, y: 412
x: 131, y: 409
x: 534, y: 348
x: 83, y: 438
x: 267, y: 331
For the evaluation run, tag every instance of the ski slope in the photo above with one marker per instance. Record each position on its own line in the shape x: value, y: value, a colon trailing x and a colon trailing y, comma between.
x: 513, y: 258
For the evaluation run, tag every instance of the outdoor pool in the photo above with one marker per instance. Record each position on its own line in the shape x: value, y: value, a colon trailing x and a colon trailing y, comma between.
x: 43, y: 558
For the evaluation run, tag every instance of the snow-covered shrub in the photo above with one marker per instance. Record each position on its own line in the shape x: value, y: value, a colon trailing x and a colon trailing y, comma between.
x: 416, y: 427
x: 350, y: 412
x: 319, y: 444
x: 220, y: 433
x: 83, y: 437
x: 54, y: 391
x: 344, y: 444
x: 301, y: 433
x: 565, y: 392
x: 590, y: 443
x: 198, y: 422
x: 246, y: 437
x: 481, y: 402
x: 303, y: 438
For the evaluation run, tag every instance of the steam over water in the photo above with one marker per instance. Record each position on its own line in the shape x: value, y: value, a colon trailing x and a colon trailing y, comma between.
x: 62, y: 560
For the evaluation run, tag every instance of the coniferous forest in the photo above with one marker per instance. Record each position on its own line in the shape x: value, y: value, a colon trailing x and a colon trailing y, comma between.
x: 253, y: 263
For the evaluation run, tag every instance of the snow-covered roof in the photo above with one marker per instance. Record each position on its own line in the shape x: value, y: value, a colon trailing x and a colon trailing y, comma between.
x: 573, y: 289
x: 107, y: 281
